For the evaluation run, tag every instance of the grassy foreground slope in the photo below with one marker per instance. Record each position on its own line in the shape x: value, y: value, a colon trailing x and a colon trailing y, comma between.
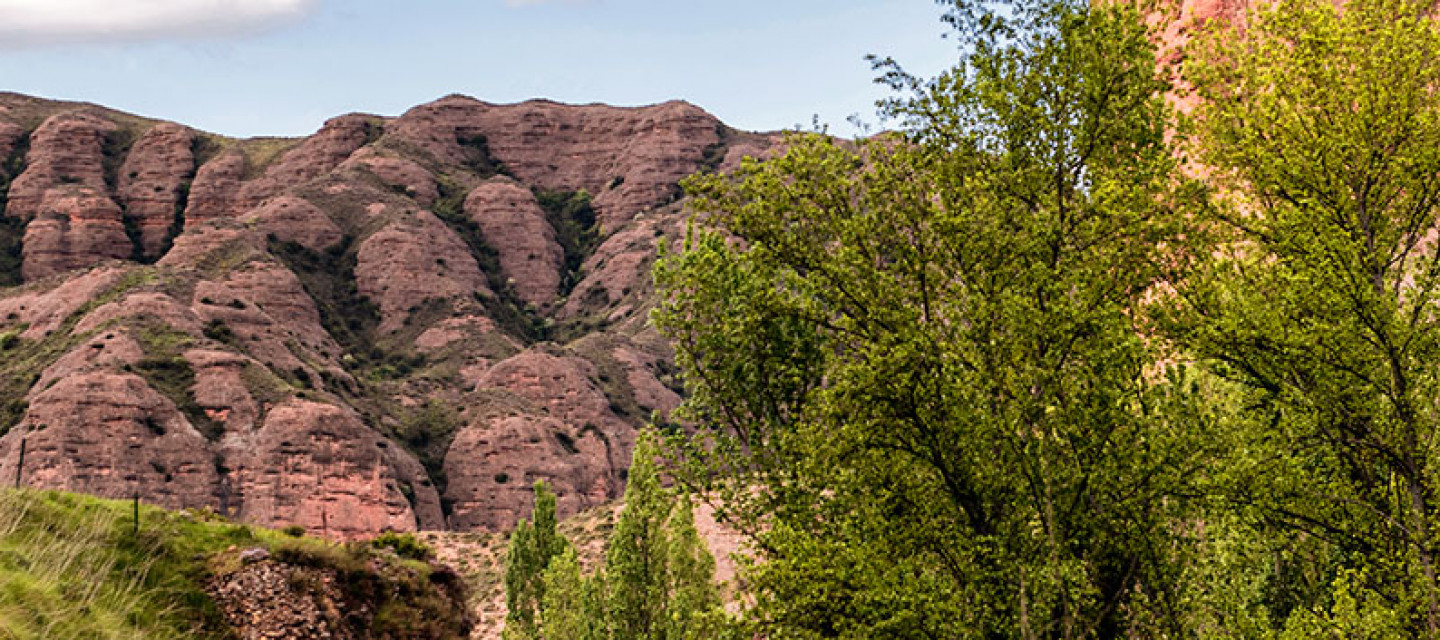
x: 75, y: 566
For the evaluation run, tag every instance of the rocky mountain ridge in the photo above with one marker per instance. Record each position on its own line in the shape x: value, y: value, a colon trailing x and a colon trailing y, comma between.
x: 395, y: 323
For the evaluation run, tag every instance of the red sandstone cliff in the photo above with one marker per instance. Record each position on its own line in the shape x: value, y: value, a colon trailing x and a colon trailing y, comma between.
x: 380, y: 326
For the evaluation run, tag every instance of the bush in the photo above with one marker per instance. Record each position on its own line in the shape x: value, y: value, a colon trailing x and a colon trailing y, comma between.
x: 405, y: 545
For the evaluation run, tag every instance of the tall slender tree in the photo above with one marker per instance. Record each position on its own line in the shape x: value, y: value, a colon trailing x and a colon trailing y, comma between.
x: 532, y: 548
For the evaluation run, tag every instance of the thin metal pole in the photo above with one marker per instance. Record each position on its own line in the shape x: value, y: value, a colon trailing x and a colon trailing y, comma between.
x: 136, y: 505
x: 20, y: 466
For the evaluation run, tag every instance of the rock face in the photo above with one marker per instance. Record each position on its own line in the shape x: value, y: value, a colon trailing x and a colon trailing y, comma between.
x: 570, y: 438
x: 68, y: 148
x: 111, y: 435
x: 413, y: 262
x: 369, y: 482
x: 73, y: 227
x: 377, y: 327
x: 629, y: 159
x: 292, y: 219
x: 215, y: 185
x: 271, y: 599
x: 154, y: 183
x: 512, y: 222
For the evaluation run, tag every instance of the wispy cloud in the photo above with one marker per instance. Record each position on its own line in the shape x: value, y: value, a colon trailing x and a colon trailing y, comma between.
x: 40, y: 22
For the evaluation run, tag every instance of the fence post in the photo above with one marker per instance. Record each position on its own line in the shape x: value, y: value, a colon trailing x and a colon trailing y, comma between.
x: 20, y: 466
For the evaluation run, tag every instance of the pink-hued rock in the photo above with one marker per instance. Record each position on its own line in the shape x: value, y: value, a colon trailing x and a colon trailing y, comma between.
x: 150, y: 304
x: 153, y: 182
x: 749, y: 145
x: 290, y: 444
x: 314, y: 157
x: 74, y: 227
x: 619, y: 267
x: 107, y: 351
x: 10, y: 136
x: 491, y: 466
x: 109, y: 434
x: 642, y: 372
x: 45, y: 310
x: 318, y: 466
x: 221, y: 392
x: 514, y: 225
x: 452, y: 330
x: 293, y: 219
x: 628, y: 158
x: 574, y: 441
x: 212, y: 194
x: 67, y: 149
x: 267, y: 310
x: 400, y: 173
x: 200, y: 241
x: 412, y: 261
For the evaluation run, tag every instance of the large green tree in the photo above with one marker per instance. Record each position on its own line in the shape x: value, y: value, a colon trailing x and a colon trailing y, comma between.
x: 922, y: 384
x: 1321, y: 127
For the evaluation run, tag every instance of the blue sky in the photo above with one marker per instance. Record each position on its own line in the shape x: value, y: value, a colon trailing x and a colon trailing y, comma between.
x: 280, y: 67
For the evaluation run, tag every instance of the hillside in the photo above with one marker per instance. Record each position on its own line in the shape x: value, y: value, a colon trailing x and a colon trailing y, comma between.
x: 72, y: 566
x: 395, y: 323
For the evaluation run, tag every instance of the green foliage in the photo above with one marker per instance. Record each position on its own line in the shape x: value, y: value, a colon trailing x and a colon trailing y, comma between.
x: 926, y: 393
x: 573, y: 218
x: 405, y: 545
x: 12, y: 233
x: 1322, y: 128
x: 636, y: 571
x: 532, y: 548
x: 427, y: 431
x: 573, y: 606
x: 657, y: 582
x: 216, y: 329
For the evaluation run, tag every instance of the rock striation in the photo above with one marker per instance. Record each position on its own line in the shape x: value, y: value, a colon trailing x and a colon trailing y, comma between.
x: 376, y: 327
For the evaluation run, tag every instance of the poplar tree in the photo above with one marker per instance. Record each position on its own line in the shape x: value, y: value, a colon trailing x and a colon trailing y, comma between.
x: 572, y: 608
x: 531, y: 549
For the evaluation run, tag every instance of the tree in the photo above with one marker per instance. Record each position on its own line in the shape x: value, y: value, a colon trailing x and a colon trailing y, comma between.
x: 918, y: 360
x: 1321, y: 126
x: 532, y: 548
x: 657, y: 582
x: 659, y: 575
x: 573, y: 608
x: 636, y: 571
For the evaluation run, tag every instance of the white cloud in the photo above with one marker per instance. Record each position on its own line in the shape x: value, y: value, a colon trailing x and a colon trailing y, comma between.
x: 34, y: 22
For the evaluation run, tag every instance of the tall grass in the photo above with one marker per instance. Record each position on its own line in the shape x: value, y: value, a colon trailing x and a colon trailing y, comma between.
x: 73, y: 567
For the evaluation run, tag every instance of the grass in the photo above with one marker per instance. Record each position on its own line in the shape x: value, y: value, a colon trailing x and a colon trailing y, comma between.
x: 72, y: 566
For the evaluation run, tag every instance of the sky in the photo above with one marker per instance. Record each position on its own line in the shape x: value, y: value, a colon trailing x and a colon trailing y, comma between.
x: 281, y: 67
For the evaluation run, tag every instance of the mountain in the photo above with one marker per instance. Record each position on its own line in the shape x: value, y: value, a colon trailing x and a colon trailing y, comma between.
x: 395, y: 323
